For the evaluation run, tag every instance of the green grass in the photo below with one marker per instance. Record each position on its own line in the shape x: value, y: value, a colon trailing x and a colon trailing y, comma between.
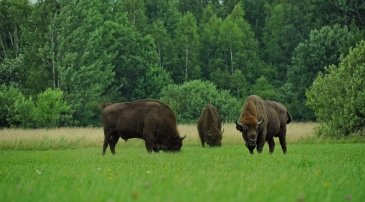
x: 66, y: 165
x: 308, y: 172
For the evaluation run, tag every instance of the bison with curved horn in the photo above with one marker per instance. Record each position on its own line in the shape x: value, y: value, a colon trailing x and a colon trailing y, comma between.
x: 262, y: 120
x: 150, y: 120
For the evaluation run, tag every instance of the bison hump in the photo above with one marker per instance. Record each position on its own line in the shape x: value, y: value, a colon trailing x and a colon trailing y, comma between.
x: 105, y: 105
x: 249, y: 115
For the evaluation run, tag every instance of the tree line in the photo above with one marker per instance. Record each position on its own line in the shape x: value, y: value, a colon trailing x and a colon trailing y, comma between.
x: 74, y: 55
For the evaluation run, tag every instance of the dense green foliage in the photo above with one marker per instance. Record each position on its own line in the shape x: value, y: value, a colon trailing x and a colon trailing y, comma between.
x: 338, y: 96
x: 188, y: 100
x: 308, y: 172
x: 123, y: 50
x: 47, y: 109
x: 324, y: 47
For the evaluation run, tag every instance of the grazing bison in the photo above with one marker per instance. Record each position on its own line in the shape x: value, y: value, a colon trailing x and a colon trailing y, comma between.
x: 262, y: 120
x: 209, y: 126
x: 150, y: 120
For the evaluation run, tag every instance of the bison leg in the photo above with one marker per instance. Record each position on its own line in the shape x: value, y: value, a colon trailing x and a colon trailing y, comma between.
x: 261, y: 140
x: 271, y: 143
x: 113, y: 141
x: 282, y: 139
x: 202, y: 141
x: 105, y: 145
x: 149, y: 142
x: 156, y: 148
x: 250, y: 149
x: 202, y: 137
x: 149, y: 145
x: 107, y: 136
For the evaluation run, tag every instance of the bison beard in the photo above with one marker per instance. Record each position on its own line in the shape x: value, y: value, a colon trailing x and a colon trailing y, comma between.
x: 150, y: 120
x: 262, y: 120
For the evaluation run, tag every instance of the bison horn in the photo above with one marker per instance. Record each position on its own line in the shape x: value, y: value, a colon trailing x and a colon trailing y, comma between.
x: 222, y: 130
x: 183, y: 137
x: 261, y: 121
x: 238, y: 124
x: 210, y: 135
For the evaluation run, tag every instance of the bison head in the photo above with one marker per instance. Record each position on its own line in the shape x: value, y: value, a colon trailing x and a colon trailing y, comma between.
x: 249, y: 132
x: 214, y: 137
x: 175, y: 144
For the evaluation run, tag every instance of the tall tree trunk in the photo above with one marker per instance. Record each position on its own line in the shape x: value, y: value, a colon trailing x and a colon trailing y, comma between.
x: 160, y: 57
x: 186, y: 63
x: 11, y: 40
x: 231, y: 54
x: 16, y: 42
x: 55, y: 73
x: 3, y: 47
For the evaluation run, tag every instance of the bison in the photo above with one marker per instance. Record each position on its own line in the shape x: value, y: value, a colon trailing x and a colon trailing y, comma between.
x: 150, y: 120
x: 209, y: 126
x: 262, y: 120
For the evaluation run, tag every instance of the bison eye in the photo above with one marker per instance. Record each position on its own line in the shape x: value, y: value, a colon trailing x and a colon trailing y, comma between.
x: 244, y: 128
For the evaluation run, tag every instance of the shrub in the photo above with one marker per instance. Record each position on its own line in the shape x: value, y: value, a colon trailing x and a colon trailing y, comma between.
x: 188, y: 100
x: 12, y: 101
x: 338, y: 96
x: 324, y: 47
x: 50, y: 109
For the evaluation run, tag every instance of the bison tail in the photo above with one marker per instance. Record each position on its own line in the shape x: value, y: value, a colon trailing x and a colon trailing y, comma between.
x: 289, y: 118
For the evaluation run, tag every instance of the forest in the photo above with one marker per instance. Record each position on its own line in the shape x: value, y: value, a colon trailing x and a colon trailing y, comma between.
x: 61, y: 59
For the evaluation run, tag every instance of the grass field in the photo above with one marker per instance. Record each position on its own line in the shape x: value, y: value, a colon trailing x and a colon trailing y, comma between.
x: 66, y: 165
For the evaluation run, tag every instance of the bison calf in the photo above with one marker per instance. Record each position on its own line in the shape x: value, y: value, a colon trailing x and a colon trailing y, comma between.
x: 262, y: 120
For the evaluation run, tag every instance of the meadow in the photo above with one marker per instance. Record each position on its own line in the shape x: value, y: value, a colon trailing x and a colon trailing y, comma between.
x: 66, y: 165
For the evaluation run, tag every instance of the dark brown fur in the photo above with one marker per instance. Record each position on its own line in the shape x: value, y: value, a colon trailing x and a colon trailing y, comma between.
x: 209, y: 126
x: 262, y: 120
x: 150, y: 120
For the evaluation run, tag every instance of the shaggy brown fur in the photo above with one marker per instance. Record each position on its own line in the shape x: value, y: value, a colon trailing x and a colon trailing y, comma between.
x: 262, y: 120
x: 209, y: 126
x: 249, y: 116
x: 150, y: 120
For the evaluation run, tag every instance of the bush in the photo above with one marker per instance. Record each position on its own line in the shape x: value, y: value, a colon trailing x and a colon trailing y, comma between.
x: 21, y: 113
x: 11, y: 102
x: 48, y: 110
x: 324, y: 47
x: 338, y: 96
x: 188, y: 100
